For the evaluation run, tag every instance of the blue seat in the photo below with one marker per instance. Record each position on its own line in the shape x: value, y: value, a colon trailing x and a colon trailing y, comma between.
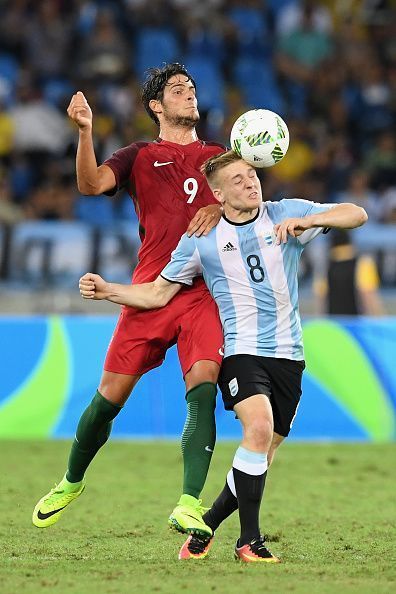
x: 253, y: 34
x: 95, y: 210
x: 276, y: 6
x: 209, y: 80
x: 206, y: 44
x: 57, y: 90
x: 258, y: 84
x: 9, y: 68
x: 154, y: 46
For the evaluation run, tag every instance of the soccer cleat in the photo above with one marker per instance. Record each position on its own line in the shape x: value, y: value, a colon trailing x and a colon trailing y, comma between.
x: 50, y: 507
x: 187, y: 517
x: 255, y: 552
x: 196, y: 547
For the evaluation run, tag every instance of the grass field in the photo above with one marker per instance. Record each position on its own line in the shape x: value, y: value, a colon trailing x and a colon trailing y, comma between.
x: 329, y: 512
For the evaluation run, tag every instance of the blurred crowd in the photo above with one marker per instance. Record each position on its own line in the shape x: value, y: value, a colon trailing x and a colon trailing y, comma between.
x: 328, y: 67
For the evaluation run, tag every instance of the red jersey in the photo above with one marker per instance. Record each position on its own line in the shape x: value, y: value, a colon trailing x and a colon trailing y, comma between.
x: 165, y: 183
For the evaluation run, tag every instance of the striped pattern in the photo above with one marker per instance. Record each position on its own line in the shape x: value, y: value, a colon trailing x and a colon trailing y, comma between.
x: 281, y: 132
x: 190, y: 424
x: 277, y: 153
x: 255, y: 284
x: 259, y: 139
x: 236, y: 147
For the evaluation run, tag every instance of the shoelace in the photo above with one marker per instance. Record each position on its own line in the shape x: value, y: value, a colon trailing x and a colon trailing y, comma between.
x: 56, y: 491
x: 198, y: 545
x: 200, y: 507
x: 259, y: 548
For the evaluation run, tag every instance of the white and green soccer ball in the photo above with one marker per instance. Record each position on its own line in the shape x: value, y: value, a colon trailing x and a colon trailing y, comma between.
x: 260, y: 137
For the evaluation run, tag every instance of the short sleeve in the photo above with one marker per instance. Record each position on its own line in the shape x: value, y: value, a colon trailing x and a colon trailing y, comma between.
x: 121, y: 163
x: 302, y: 208
x: 185, y: 262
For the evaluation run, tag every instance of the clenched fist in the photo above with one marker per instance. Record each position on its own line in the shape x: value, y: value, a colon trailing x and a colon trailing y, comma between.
x: 80, y: 112
x: 93, y: 286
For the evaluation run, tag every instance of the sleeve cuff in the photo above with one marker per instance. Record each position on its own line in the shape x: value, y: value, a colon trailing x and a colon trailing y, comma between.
x: 177, y: 282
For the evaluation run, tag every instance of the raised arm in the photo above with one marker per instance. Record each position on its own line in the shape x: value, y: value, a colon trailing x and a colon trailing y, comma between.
x: 91, y: 179
x: 342, y: 216
x: 144, y: 296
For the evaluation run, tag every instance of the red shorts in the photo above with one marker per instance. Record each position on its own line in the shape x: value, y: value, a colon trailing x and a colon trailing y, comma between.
x: 141, y: 338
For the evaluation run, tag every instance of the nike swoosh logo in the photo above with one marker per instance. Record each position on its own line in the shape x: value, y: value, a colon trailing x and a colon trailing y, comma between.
x: 193, y: 517
x: 156, y: 164
x: 207, y: 448
x: 42, y: 516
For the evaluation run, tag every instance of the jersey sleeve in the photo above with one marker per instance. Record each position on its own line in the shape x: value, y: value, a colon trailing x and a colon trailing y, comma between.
x: 302, y: 208
x: 185, y: 263
x: 121, y: 163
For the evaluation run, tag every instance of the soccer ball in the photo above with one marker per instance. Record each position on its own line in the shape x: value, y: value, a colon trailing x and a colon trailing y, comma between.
x: 260, y: 137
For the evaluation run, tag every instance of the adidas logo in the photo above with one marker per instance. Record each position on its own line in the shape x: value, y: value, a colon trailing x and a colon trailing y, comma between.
x: 229, y: 247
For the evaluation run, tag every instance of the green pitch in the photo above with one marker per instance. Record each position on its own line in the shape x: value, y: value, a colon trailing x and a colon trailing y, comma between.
x: 329, y: 513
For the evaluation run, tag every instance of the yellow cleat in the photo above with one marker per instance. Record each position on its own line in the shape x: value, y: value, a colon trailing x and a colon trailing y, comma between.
x: 50, y: 507
x: 187, y: 517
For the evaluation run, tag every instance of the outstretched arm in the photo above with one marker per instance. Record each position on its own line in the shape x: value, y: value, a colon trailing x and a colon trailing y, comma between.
x: 91, y: 179
x: 342, y: 216
x: 144, y: 296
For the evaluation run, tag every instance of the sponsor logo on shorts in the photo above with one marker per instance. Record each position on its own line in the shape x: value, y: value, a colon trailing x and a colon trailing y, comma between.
x: 208, y: 449
x: 233, y: 385
x: 221, y: 351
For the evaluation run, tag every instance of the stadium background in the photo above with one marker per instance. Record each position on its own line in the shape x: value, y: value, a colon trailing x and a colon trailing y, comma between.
x: 329, y: 68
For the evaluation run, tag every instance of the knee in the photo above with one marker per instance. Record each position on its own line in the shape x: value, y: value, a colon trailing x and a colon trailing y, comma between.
x: 274, y: 446
x: 259, y: 433
x: 202, y: 372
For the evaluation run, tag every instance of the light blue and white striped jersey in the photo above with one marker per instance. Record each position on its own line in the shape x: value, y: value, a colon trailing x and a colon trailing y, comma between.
x: 253, y: 280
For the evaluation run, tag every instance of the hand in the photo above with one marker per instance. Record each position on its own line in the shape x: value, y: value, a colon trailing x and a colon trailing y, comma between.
x: 294, y: 227
x: 80, y: 112
x: 205, y: 219
x: 93, y: 286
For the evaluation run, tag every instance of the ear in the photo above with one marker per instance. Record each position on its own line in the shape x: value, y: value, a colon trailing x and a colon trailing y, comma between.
x: 155, y: 106
x: 218, y: 194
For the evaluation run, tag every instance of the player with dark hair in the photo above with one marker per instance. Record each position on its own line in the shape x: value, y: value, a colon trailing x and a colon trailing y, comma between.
x: 249, y: 262
x: 171, y: 196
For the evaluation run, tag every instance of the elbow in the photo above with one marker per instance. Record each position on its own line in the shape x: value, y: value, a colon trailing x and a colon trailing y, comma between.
x: 158, y: 299
x: 88, y: 190
x: 357, y: 216
x: 362, y: 216
x: 162, y: 300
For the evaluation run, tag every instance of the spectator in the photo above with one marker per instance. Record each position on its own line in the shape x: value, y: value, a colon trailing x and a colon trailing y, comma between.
x: 104, y: 56
x: 360, y: 193
x: 10, y: 212
x: 47, y: 40
x: 380, y: 161
x: 351, y: 284
x: 7, y: 129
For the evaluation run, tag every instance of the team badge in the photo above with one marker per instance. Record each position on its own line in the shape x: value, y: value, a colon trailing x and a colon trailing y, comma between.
x: 233, y: 385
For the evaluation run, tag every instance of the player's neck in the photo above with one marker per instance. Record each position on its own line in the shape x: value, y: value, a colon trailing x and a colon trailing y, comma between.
x: 238, y: 216
x: 178, y: 135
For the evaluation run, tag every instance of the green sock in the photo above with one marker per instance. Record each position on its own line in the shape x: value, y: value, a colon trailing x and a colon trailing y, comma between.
x: 199, y: 437
x: 93, y: 431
